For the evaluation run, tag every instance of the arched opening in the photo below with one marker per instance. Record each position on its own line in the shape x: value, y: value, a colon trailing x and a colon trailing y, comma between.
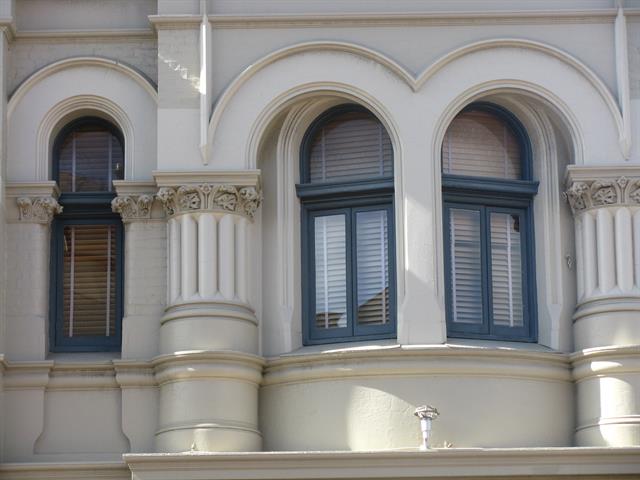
x: 87, y: 238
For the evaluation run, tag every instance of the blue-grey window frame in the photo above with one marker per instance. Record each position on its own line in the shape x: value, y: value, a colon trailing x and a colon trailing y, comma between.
x: 350, y: 197
x: 488, y: 195
x: 83, y: 208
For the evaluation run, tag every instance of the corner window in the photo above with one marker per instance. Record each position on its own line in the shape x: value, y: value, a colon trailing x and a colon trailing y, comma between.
x: 346, y: 192
x: 488, y: 226
x: 86, y: 257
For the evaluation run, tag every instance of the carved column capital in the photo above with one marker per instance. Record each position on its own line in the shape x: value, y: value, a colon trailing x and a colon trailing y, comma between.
x: 227, y: 198
x: 37, y: 209
x: 133, y: 207
x: 585, y: 194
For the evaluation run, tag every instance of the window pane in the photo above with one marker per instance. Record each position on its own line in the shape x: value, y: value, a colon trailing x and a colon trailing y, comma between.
x: 89, y: 280
x: 352, y: 146
x: 89, y: 158
x: 466, y: 266
x: 480, y: 144
x: 506, y: 270
x: 331, y: 271
x: 373, y: 267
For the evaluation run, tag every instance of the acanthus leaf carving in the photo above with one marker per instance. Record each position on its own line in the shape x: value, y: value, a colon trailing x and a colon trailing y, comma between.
x: 242, y: 200
x: 133, y: 207
x: 37, y: 209
x: 585, y: 194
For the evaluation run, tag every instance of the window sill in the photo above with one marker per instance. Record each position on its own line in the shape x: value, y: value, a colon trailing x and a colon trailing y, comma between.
x: 83, y: 357
x: 392, y: 344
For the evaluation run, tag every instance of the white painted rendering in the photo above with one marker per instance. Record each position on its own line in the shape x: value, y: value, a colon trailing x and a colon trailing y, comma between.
x: 213, y: 380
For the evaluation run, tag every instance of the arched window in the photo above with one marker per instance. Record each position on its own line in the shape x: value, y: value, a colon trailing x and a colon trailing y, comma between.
x: 86, y: 278
x: 346, y: 191
x: 488, y: 226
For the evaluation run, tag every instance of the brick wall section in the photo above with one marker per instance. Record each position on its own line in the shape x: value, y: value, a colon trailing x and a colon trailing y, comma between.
x: 145, y: 288
x: 178, y: 68
x: 30, y: 55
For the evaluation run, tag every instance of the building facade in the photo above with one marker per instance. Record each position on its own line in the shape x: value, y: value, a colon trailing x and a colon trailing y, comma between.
x: 248, y: 239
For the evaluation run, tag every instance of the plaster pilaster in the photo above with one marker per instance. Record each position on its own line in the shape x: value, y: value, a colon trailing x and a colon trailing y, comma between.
x: 30, y: 208
x: 208, y: 312
x: 606, y: 367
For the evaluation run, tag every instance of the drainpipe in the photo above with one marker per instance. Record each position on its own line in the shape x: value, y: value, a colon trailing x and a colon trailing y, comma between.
x: 426, y: 413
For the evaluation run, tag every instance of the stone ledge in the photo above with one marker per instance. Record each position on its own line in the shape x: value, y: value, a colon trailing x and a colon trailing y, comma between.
x: 460, y: 463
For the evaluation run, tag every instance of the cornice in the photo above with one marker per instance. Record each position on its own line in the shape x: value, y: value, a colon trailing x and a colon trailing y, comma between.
x: 248, y: 178
x: 371, y: 19
x: 453, y: 462
x: 69, y: 470
x: 94, y: 34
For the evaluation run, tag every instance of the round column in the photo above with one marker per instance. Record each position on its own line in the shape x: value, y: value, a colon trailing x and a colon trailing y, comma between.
x: 209, y: 370
x: 606, y: 364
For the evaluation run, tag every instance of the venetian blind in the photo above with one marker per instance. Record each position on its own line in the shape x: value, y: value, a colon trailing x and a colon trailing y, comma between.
x: 466, y: 265
x: 352, y: 146
x: 331, y: 271
x: 89, y: 159
x: 89, y: 280
x: 372, y: 267
x: 506, y: 270
x: 480, y: 144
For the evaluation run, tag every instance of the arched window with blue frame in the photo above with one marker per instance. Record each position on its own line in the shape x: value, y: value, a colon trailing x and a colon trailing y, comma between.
x: 87, y: 239
x: 488, y: 193
x: 346, y: 194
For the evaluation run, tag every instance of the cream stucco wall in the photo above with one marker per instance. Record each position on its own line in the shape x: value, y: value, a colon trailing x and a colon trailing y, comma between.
x: 212, y: 358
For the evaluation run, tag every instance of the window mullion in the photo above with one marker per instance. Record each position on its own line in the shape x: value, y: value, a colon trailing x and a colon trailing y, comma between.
x: 485, y: 243
x: 352, y: 277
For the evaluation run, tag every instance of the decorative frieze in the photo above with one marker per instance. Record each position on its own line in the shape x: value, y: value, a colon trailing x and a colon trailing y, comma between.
x: 133, y: 207
x: 241, y: 200
x: 37, y: 209
x: 586, y: 194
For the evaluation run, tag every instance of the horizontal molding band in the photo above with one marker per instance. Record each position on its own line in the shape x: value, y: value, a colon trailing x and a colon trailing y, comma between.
x: 610, y: 421
x: 367, y: 19
x: 605, y: 361
x: 67, y: 470
x: 199, y: 365
x: 466, y: 463
x: 210, y: 308
x: 607, y: 304
x: 215, y: 425
x: 440, y: 361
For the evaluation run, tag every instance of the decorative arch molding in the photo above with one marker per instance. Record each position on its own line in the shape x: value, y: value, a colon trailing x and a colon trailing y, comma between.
x: 273, y: 57
x: 76, y: 87
x: 417, y: 83
x: 84, y: 104
x: 301, y: 107
x: 75, y: 62
x: 547, y: 49
x: 535, y: 108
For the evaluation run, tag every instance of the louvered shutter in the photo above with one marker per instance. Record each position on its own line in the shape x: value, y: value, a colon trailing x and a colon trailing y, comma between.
x: 372, y: 267
x: 480, y: 144
x: 330, y: 241
x: 506, y: 270
x: 352, y: 146
x: 89, y: 280
x: 465, y: 266
x: 89, y: 159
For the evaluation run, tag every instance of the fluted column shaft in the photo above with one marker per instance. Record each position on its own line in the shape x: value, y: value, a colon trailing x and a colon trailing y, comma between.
x: 209, y: 370
x: 606, y: 208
